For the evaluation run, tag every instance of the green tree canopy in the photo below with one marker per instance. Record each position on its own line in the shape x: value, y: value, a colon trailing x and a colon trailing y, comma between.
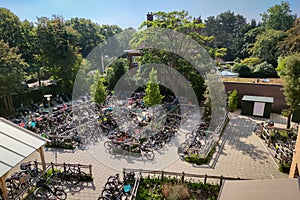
x: 291, y: 44
x: 98, y: 90
x: 11, y: 76
x: 58, y: 51
x: 89, y: 35
x: 291, y: 76
x: 266, y: 46
x: 153, y: 95
x: 279, y: 17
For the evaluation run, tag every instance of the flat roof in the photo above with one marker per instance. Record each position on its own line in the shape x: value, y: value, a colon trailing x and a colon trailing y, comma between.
x: 16, y: 143
x: 276, y: 189
x: 258, y: 99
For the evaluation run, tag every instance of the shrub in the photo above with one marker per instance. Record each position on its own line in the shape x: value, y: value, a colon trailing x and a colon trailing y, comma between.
x: 264, y: 70
x: 233, y: 101
x: 243, y: 70
x: 285, y: 168
x: 251, y: 61
x: 175, y: 192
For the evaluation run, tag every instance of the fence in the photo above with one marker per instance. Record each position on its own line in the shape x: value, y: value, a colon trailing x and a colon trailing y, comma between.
x: 182, y: 176
x: 52, y: 166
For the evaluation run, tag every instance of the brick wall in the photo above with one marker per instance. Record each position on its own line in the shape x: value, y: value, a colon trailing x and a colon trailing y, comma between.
x: 257, y: 89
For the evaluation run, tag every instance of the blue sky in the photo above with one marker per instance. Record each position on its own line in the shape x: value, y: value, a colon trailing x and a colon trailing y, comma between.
x: 131, y: 13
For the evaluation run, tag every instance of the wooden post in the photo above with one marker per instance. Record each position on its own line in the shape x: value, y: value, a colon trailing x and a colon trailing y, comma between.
x: 42, y: 156
x: 205, y: 178
x: 182, y: 178
x: 90, y: 166
x: 124, y: 173
x: 162, y: 175
x: 221, y: 180
x: 3, y: 187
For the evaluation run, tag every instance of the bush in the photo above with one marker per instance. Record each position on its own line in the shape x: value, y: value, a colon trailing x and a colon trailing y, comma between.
x: 251, y: 61
x: 175, y: 192
x: 264, y: 70
x: 243, y: 70
x: 194, y: 158
x: 285, y: 168
x: 233, y: 101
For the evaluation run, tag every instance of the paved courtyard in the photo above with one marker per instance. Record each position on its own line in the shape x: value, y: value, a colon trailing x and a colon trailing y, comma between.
x: 240, y: 154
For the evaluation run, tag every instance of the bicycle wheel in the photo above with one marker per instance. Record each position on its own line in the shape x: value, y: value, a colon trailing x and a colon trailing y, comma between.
x: 41, y: 193
x: 107, y: 193
x: 55, y: 179
x: 61, y: 194
x: 108, y: 145
x: 149, y: 155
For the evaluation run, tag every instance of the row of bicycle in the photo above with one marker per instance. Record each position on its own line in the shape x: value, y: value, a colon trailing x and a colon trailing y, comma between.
x: 47, y: 184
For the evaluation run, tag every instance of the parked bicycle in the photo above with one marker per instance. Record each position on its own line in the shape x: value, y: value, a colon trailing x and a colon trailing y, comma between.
x: 45, y: 191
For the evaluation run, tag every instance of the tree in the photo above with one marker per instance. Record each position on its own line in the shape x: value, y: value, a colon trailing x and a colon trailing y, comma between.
x: 206, y: 113
x: 264, y: 70
x: 11, y: 77
x: 89, y: 35
x: 10, y: 28
x: 98, y: 90
x: 266, y: 46
x: 115, y: 71
x: 228, y: 31
x: 291, y: 44
x: 153, y: 95
x: 109, y: 30
x: 179, y: 21
x: 58, y: 51
x: 279, y: 17
x: 243, y: 70
x: 290, y: 75
x: 233, y: 101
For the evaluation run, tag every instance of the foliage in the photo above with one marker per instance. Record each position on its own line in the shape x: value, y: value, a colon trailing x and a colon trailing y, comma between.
x: 98, y: 90
x: 279, y: 17
x: 206, y: 113
x: 291, y: 44
x: 252, y: 61
x: 266, y: 46
x: 228, y: 29
x: 249, y: 39
x: 243, y: 70
x: 154, y: 188
x: 264, y: 70
x: 153, y: 95
x: 115, y: 71
x: 175, y: 192
x: 11, y: 66
x: 233, y: 101
x: 89, y: 35
x: 196, y: 159
x: 291, y: 74
x: 285, y: 168
x: 59, y: 52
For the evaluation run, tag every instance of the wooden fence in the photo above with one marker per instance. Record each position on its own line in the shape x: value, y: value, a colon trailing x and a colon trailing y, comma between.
x: 183, y: 176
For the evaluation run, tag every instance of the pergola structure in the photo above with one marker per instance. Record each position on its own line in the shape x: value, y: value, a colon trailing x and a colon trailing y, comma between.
x: 16, y: 144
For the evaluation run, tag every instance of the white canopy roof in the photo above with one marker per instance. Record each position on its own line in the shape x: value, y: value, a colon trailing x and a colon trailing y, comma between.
x: 16, y: 143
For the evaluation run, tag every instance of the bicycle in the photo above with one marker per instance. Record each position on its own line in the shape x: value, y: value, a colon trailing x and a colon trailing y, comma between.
x: 44, y: 191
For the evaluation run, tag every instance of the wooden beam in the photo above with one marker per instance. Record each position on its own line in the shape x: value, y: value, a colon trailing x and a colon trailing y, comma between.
x: 42, y: 156
x: 3, y: 187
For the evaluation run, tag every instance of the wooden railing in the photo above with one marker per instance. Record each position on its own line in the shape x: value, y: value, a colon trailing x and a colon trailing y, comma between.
x: 183, y: 176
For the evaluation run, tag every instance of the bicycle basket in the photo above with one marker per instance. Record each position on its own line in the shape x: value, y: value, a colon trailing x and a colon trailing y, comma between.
x: 127, y: 188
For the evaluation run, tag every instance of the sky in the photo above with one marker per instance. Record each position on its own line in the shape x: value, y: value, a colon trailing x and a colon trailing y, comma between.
x: 131, y: 13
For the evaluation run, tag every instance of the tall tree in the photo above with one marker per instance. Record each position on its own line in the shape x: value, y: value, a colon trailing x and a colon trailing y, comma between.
x: 266, y: 46
x: 115, y: 71
x: 59, y: 53
x: 11, y: 66
x: 89, y: 34
x: 291, y: 75
x: 279, y: 17
x: 10, y: 28
x: 153, y: 95
x: 291, y: 44
x: 109, y: 30
x: 228, y: 29
x: 179, y: 21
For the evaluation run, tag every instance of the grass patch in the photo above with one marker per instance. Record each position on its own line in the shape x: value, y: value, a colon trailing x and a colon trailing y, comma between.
x: 196, y: 159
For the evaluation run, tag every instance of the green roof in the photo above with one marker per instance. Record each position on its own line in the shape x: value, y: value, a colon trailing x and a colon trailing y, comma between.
x: 258, y: 99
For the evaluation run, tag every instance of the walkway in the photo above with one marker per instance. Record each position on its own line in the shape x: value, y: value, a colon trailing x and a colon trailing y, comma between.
x: 241, y: 154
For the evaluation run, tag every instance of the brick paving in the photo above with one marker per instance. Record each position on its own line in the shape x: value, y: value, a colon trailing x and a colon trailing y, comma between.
x: 240, y: 154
